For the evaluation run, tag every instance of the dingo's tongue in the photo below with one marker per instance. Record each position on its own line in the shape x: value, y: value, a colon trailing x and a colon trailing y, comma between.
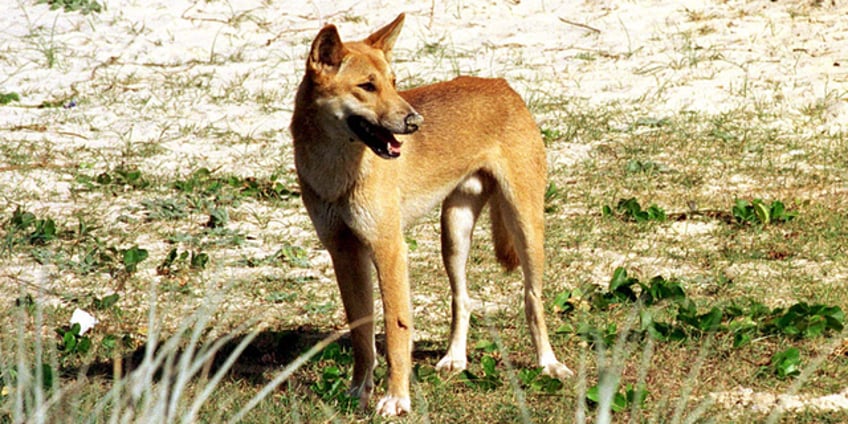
x: 394, y: 147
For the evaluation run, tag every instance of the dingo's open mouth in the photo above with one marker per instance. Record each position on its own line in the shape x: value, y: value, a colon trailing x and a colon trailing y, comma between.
x: 379, y: 139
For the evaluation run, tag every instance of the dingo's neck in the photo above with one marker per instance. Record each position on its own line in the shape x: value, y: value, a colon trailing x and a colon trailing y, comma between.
x: 335, y: 163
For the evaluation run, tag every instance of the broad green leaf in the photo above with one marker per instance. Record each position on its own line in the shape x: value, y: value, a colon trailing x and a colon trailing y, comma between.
x: 762, y: 213
x: 489, y: 365
x: 787, y: 363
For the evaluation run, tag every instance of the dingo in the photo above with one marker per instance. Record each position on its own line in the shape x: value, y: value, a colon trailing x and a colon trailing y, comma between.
x: 370, y: 160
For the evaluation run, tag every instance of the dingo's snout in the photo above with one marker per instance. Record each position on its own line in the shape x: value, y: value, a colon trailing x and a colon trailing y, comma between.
x: 412, y: 121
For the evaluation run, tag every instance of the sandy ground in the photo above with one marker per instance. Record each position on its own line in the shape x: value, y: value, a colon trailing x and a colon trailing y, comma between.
x: 200, y: 78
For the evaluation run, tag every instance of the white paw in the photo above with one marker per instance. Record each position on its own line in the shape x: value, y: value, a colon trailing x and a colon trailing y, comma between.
x: 451, y: 364
x: 393, y: 406
x: 557, y: 370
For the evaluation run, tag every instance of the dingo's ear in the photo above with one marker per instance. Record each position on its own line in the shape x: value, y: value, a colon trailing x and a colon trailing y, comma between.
x: 327, y: 50
x: 384, y: 38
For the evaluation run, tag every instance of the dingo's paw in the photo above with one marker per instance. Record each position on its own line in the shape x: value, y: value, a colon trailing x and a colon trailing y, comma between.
x: 361, y: 392
x: 393, y: 406
x: 557, y: 370
x: 451, y: 364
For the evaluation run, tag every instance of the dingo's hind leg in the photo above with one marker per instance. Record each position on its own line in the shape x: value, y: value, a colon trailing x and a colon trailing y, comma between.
x: 459, y: 214
x: 522, y: 215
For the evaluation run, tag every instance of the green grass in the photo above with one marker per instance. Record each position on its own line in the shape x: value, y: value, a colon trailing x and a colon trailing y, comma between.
x: 83, y: 6
x: 165, y: 204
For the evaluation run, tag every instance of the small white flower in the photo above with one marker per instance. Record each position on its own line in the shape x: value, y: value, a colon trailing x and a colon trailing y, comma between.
x: 84, y: 319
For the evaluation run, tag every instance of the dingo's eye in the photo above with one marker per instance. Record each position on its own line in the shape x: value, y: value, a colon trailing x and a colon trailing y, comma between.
x: 368, y: 86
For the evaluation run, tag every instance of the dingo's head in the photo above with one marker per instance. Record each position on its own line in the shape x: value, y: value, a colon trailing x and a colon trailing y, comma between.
x: 353, y: 85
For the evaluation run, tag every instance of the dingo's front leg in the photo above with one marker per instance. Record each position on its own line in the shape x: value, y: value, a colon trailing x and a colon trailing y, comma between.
x: 390, y: 261
x: 351, y: 263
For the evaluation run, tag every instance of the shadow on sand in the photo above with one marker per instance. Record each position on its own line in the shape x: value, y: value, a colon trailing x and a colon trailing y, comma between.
x: 268, y: 352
